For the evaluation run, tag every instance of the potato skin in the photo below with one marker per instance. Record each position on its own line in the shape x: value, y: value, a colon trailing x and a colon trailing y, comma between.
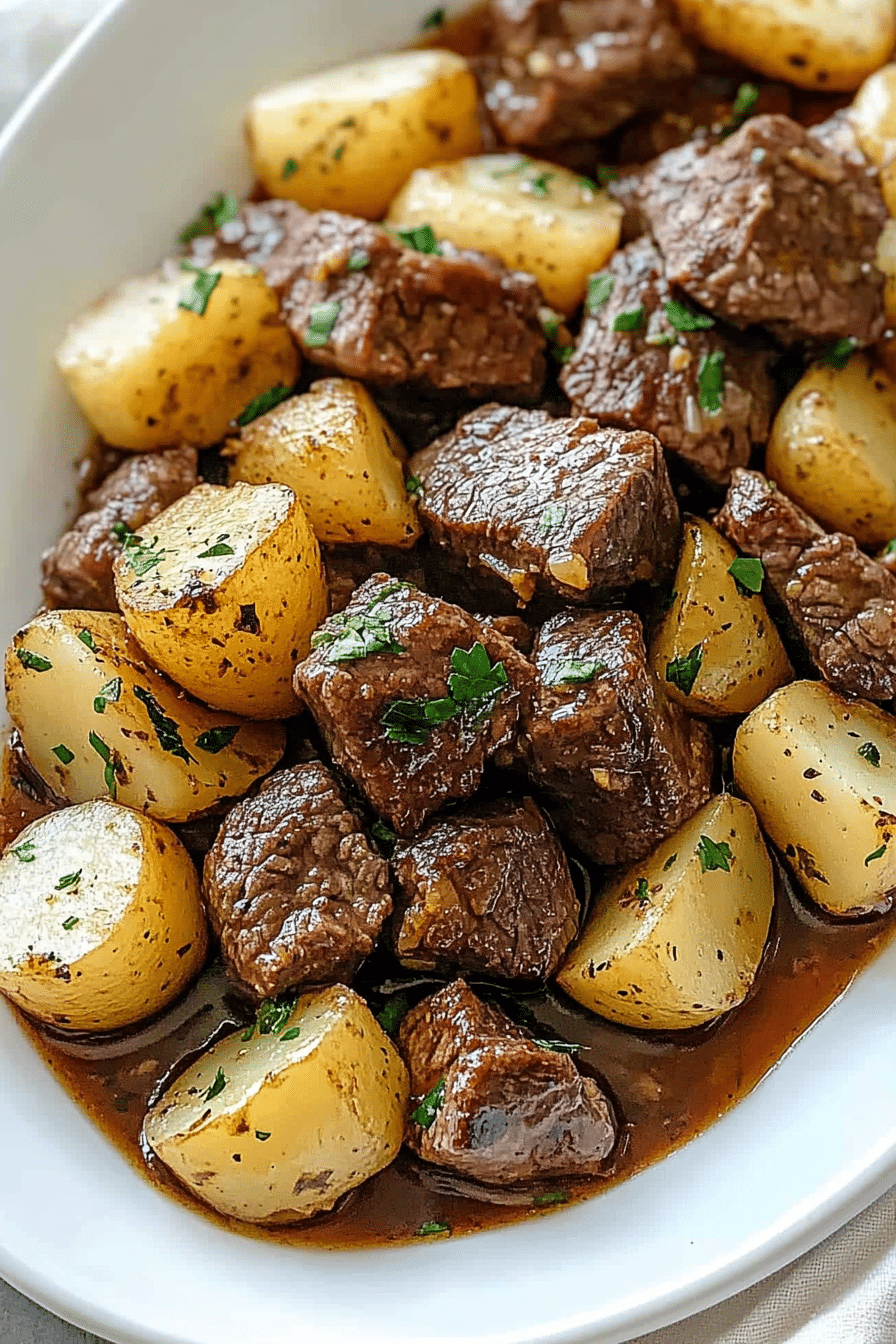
x: 347, y: 138
x: 806, y: 761
x: 230, y: 608
x: 534, y: 216
x: 743, y: 657
x: 116, y: 944
x: 147, y: 373
x: 670, y: 945
x: 310, y: 1112
x: 334, y: 449
x: 93, y: 661
x: 833, y: 449
x: 873, y: 118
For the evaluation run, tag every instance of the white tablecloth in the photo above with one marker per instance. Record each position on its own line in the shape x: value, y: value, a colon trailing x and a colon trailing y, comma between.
x: 844, y: 1292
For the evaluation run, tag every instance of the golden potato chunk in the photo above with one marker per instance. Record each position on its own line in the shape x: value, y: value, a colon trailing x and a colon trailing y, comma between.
x: 873, y: 118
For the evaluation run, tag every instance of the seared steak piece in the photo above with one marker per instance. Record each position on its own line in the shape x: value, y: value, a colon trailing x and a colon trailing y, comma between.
x: 77, y: 572
x: 486, y: 891
x: 264, y: 233
x: 771, y: 227
x: 498, y: 1108
x: 648, y: 378
x: 575, y: 69
x: 293, y: 888
x: 542, y: 504
x: 624, y: 766
x: 842, y: 602
x: 413, y: 695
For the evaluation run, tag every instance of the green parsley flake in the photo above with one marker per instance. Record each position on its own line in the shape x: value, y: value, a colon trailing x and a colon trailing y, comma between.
x: 412, y: 721
x: 339, y: 151
x: 421, y: 238
x: 321, y: 321
x: 84, y: 635
x: 350, y: 635
x: 561, y: 1047
x: 434, y: 20
x: 292, y: 1035
x: 552, y: 1197
x: 669, y: 862
x: 120, y: 532
x: 890, y: 548
x: 69, y: 924
x: 711, y: 382
x: 424, y: 1115
x: 358, y: 260
x: 682, y: 672
x: 748, y: 574
x: 433, y: 1229
x: 838, y: 356
x: 110, y: 760
x: 642, y: 891
x: 70, y: 880
x: 414, y: 486
x: 214, y: 740
x: 571, y: 671
x: 474, y: 679
x: 393, y: 1012
x: 141, y: 555
x: 262, y: 1135
x: 217, y: 1086
x: 538, y: 186
x: 216, y: 548
x: 745, y: 100
x: 878, y: 854
x: 869, y: 752
x: 25, y: 852
x: 682, y: 319
x: 63, y: 754
x: 197, y: 296
x: 714, y: 856
x: 631, y: 320
x: 166, y: 730
x: 550, y: 322
x: 221, y: 209
x: 385, y: 838
x: 33, y: 661
x: 264, y: 402
x: 551, y: 518
x: 109, y: 694
x: 272, y: 1017
x: 290, y: 168
x: 474, y: 686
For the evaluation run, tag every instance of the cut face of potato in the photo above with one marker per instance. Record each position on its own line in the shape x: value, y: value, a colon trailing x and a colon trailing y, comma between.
x: 346, y: 139
x: 149, y: 372
x: 677, y: 940
x: 718, y: 629
x: 97, y: 720
x: 101, y: 920
x: 274, y: 1128
x: 821, y: 773
x: 816, y: 44
x: 873, y: 117
x: 534, y: 216
x: 225, y: 594
x: 833, y: 449
x: 333, y: 448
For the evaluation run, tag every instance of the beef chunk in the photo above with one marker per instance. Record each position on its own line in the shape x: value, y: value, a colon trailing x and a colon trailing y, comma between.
x: 486, y: 891
x: 77, y: 572
x: 842, y: 602
x: 511, y: 1111
x: 293, y: 889
x: 407, y: 712
x: 628, y: 380
x: 572, y: 69
x: 539, y: 503
x: 771, y: 227
x: 264, y: 233
x: 452, y: 321
x: 624, y: 766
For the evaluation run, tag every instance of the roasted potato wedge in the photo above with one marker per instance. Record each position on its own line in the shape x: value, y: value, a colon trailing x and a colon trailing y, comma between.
x: 347, y: 139
x: 274, y: 1128
x: 148, y: 372
x: 833, y: 449
x: 101, y: 920
x: 677, y: 939
x: 534, y: 216
x: 740, y: 658
x: 873, y: 117
x: 821, y: 773
x: 816, y: 44
x: 333, y: 448
x: 96, y: 720
x: 225, y: 594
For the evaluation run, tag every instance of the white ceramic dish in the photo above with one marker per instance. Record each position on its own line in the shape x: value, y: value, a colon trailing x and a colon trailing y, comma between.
x: 135, y: 127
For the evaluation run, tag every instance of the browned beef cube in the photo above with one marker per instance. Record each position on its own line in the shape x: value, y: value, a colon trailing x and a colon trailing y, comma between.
x: 842, y: 602
x: 486, y: 891
x: 538, y: 503
x: 264, y: 233
x: 623, y: 764
x: 573, y: 69
x: 77, y: 572
x: 771, y: 227
x: 498, y: 1107
x: 650, y: 378
x: 362, y: 304
x: 413, y: 695
x: 293, y: 889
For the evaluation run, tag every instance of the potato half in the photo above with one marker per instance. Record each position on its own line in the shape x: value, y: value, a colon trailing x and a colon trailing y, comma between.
x: 96, y: 719
x: 150, y: 373
x: 816, y: 44
x: 101, y: 920
x: 677, y: 940
x: 275, y: 1128
x: 873, y: 117
x: 347, y: 138
x: 821, y: 773
x: 833, y: 449
x: 333, y: 448
x: 534, y: 216
x: 225, y: 593
x: 741, y: 656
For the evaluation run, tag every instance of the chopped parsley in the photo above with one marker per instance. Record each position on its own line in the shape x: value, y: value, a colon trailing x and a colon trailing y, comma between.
x: 110, y: 760
x: 878, y: 854
x: 84, y: 635
x: 70, y: 880
x: 385, y: 838
x: 474, y: 679
x: 221, y: 209
x: 561, y: 1047
x: 350, y: 635
x: 434, y: 20
x: 216, y: 548
x: 630, y: 320
x: 711, y: 382
x: 412, y: 721
x: 748, y: 574
x: 745, y: 100
x: 166, y: 729
x: 682, y: 319
x: 292, y: 1035
x: 869, y: 752
x: 425, y: 1114
x: 63, y: 754
x: 714, y: 856
x: 551, y: 517
x: 290, y: 168
x: 571, y: 671
x: 642, y: 891
x: 474, y: 685
x: 197, y: 296
x: 272, y: 1017
x: 262, y: 1135
x: 432, y: 1229
x: 838, y: 356
x: 33, y: 661
x: 669, y: 862
x: 216, y: 1088
x: 358, y: 260
x: 414, y: 487
x: 109, y: 694
x: 140, y: 555
x: 552, y: 1197
x: 393, y: 1012
x: 890, y: 548
x: 421, y: 238
x: 25, y: 852
x: 682, y: 672
x: 69, y: 924
x: 339, y: 151
x: 538, y: 186
x: 264, y: 402
x: 321, y: 321
x: 214, y: 740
